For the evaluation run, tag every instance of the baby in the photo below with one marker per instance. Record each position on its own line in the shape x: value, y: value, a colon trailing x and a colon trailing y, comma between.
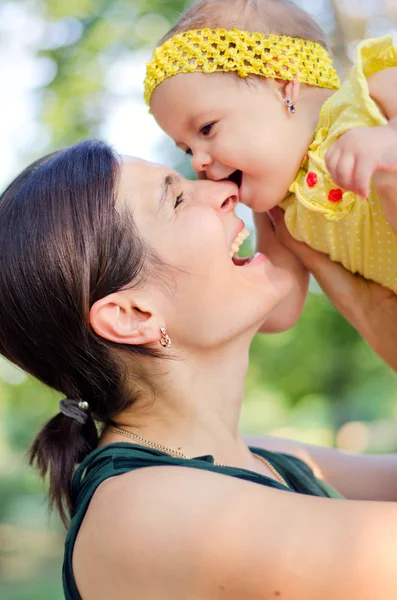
x: 262, y: 105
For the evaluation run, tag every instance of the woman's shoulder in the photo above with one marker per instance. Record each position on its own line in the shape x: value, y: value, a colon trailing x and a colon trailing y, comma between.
x: 162, y: 525
x: 165, y: 532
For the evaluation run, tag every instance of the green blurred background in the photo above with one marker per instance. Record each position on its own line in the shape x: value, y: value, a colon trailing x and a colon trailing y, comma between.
x: 74, y: 69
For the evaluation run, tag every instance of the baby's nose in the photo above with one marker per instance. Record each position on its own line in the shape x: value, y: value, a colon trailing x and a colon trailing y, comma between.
x: 201, y: 161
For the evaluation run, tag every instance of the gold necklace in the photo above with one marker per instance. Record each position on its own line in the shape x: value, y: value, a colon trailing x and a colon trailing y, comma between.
x: 178, y: 454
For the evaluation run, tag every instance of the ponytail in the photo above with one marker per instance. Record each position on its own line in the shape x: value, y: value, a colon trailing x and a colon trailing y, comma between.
x: 62, y: 443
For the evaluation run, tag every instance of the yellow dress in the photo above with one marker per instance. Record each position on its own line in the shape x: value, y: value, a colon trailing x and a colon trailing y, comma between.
x: 351, y: 230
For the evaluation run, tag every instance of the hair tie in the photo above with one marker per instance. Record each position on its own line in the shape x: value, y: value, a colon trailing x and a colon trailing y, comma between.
x: 74, y: 409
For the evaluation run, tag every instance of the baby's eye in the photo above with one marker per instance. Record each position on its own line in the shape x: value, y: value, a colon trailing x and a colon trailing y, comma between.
x: 189, y: 152
x: 206, y: 130
x: 178, y: 200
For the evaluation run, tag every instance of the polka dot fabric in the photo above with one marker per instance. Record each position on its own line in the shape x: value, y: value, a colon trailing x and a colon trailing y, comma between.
x: 351, y: 230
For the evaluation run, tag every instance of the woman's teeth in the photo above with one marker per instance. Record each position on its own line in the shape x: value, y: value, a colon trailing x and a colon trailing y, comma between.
x: 241, y: 237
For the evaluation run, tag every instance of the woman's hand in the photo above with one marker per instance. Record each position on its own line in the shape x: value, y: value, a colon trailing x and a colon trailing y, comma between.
x: 288, y: 312
x: 368, y: 306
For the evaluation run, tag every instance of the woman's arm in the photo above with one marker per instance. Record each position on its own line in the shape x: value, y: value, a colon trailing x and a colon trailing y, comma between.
x: 288, y: 312
x: 372, y: 310
x: 355, y: 476
x: 173, y: 533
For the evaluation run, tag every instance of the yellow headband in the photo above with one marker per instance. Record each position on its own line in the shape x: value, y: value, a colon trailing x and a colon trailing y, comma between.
x: 245, y: 53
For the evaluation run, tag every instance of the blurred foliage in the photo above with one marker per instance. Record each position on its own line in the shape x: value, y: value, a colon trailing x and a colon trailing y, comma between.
x: 94, y: 34
x: 309, y: 383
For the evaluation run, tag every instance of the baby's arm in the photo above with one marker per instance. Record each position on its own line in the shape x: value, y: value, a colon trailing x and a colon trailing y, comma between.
x: 371, y: 152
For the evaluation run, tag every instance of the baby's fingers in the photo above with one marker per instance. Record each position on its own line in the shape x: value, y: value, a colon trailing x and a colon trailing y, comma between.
x: 343, y: 171
x: 332, y: 158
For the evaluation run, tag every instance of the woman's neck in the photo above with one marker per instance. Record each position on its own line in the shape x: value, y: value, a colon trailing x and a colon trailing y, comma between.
x: 196, y: 407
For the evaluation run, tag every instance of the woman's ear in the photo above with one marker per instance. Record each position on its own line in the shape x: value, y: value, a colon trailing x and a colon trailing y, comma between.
x: 121, y: 319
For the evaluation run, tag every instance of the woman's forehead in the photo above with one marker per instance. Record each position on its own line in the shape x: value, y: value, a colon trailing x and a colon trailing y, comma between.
x: 141, y: 169
x: 143, y: 165
x: 128, y: 159
x: 141, y: 180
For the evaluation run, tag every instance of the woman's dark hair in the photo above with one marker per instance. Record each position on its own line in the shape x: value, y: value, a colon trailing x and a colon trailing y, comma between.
x: 63, y: 246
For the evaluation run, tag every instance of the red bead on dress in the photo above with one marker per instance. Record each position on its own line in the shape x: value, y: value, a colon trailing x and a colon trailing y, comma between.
x: 311, y: 179
x: 335, y: 195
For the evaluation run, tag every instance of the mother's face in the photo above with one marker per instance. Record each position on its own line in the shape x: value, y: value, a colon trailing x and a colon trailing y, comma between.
x: 192, y: 227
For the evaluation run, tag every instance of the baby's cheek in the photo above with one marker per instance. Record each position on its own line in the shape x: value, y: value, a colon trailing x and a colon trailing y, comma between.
x: 262, y: 207
x: 272, y: 191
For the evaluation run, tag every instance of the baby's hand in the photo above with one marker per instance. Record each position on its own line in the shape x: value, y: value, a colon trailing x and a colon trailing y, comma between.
x: 358, y: 154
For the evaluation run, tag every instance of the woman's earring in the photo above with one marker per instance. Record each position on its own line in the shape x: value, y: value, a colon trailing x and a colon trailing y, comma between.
x: 290, y: 105
x: 165, y: 339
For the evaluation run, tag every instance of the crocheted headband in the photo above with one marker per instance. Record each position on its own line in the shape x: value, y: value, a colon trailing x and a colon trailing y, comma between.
x: 245, y: 53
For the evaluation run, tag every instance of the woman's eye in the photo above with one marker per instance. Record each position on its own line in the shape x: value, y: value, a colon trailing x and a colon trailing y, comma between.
x: 206, y: 130
x: 178, y: 200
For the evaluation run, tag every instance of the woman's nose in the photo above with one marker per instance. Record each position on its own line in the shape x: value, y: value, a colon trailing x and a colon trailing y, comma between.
x: 221, y: 195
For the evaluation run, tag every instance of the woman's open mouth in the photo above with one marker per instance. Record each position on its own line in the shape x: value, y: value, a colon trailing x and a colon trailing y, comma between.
x: 257, y: 258
x: 240, y: 238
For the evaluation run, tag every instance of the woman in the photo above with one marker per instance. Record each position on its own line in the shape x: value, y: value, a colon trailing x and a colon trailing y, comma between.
x: 118, y: 289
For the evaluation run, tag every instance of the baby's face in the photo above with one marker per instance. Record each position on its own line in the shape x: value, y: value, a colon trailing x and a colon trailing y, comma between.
x: 234, y: 129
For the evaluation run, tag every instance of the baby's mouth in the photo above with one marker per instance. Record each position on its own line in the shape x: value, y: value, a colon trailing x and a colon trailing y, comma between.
x: 236, y: 177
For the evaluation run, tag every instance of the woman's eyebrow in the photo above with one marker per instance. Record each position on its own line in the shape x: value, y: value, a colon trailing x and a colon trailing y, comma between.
x: 168, y: 182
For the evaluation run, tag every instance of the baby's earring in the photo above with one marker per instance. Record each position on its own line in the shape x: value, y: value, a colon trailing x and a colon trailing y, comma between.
x: 290, y: 106
x: 165, y: 339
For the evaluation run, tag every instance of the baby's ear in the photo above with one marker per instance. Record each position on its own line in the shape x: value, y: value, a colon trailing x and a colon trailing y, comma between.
x: 289, y: 90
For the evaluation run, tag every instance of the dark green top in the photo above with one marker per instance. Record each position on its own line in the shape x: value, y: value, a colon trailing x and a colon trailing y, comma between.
x: 117, y: 459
